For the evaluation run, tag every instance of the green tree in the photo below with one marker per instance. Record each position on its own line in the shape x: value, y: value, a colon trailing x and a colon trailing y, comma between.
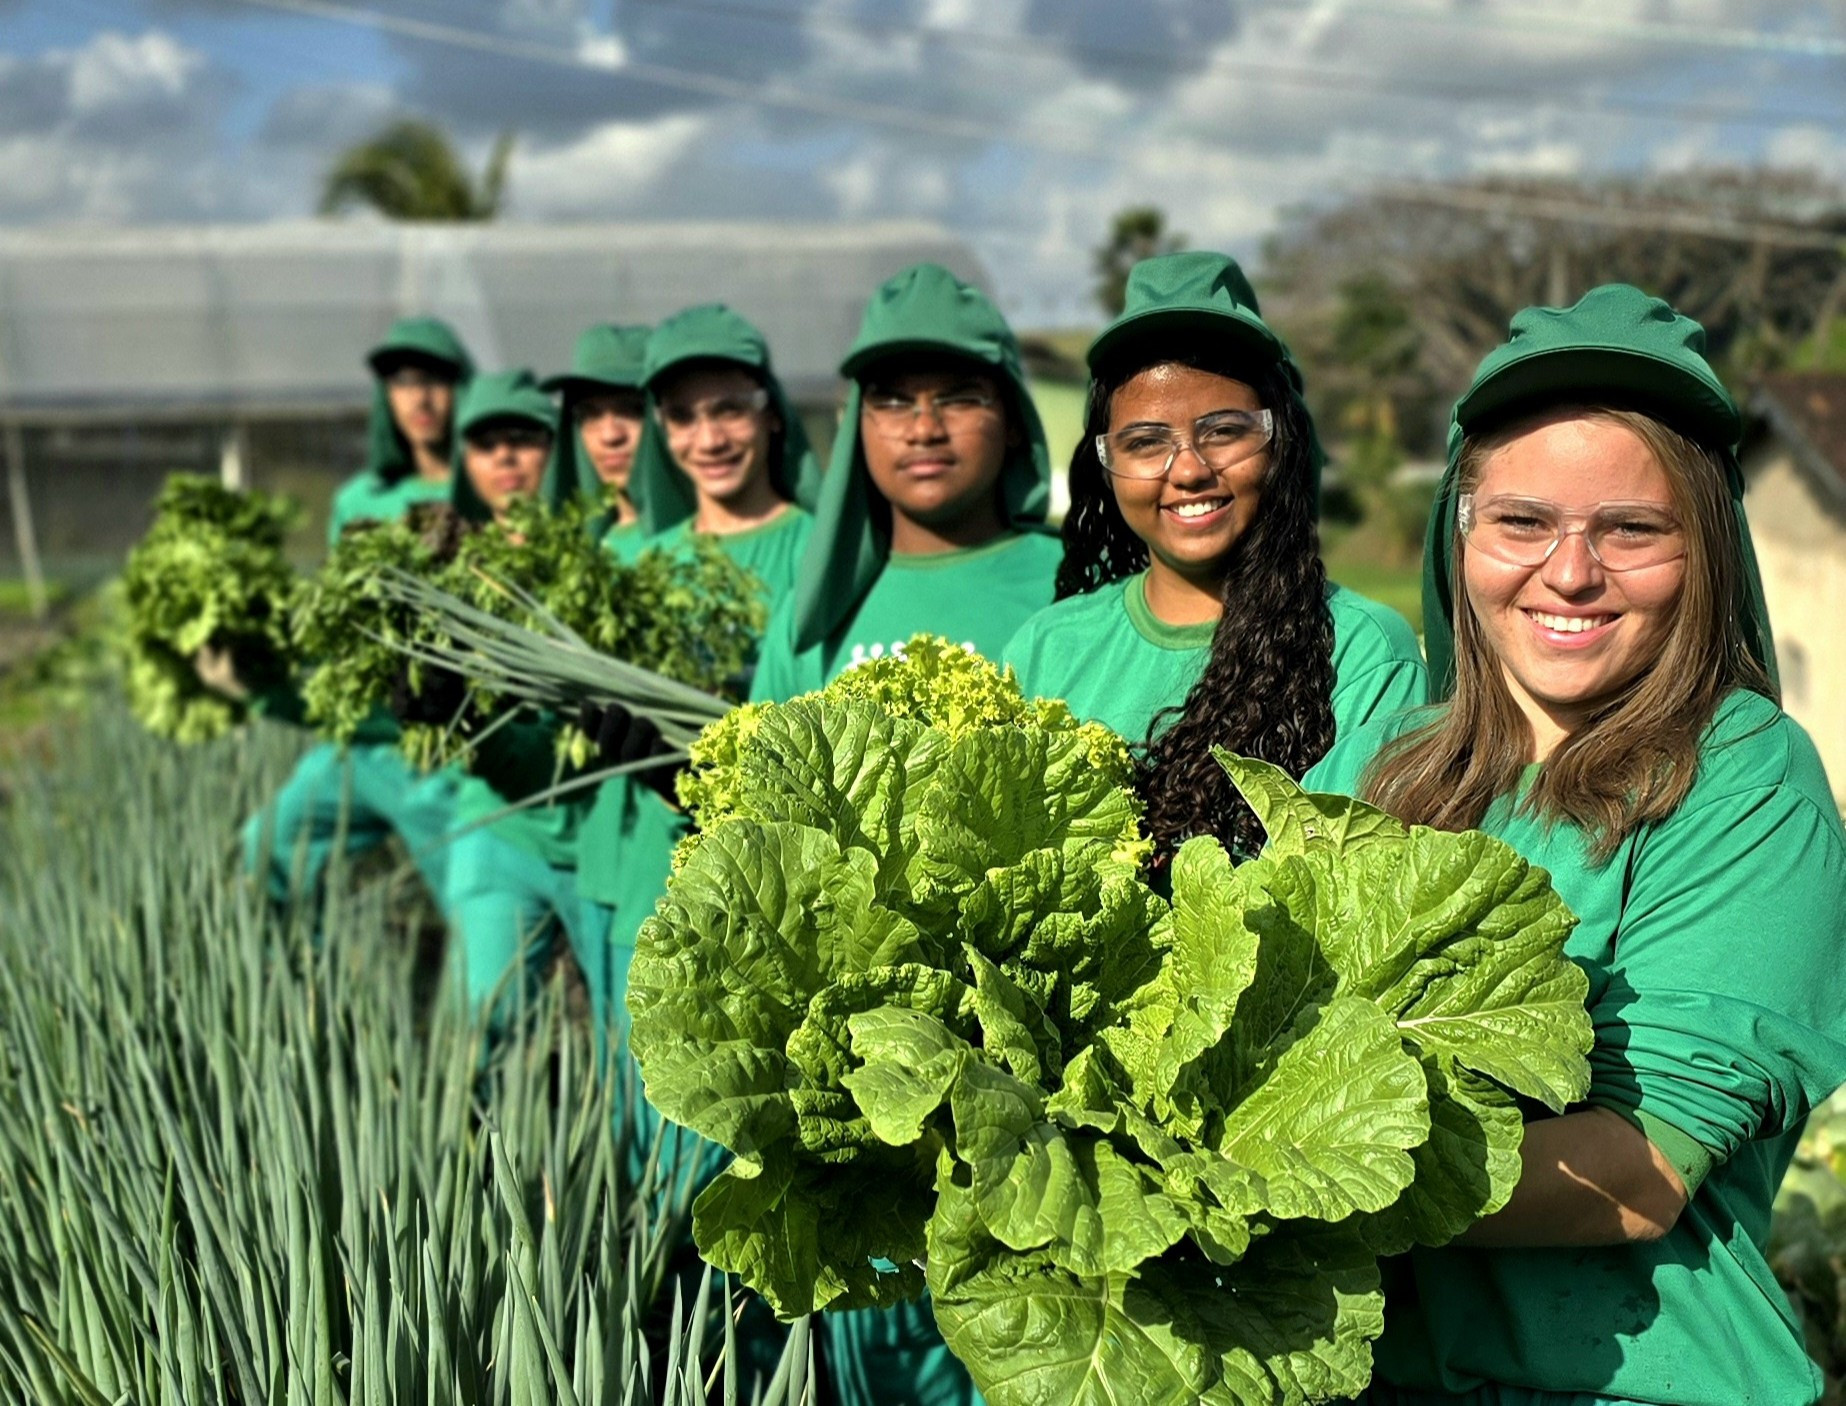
x: 410, y: 170
x: 1136, y: 233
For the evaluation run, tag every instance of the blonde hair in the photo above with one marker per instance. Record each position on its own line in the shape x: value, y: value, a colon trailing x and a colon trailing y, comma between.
x: 1634, y: 761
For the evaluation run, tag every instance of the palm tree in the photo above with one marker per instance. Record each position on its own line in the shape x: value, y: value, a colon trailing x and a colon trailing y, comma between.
x: 410, y: 170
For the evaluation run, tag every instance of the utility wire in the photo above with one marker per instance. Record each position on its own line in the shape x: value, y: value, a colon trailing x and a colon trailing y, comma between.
x: 661, y: 75
x: 1133, y: 58
x: 1579, y: 212
x: 1537, y: 207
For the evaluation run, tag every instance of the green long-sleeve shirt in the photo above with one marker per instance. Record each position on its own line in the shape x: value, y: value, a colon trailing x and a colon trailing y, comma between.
x: 1108, y: 656
x: 976, y: 597
x: 1715, y: 942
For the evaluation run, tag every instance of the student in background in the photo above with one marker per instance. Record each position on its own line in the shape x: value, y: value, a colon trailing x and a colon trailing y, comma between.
x: 359, y: 795
x: 602, y: 420
x: 420, y: 370
x: 726, y: 458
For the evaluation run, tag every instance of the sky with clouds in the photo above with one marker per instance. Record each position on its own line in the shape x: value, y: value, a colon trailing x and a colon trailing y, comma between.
x: 1020, y: 124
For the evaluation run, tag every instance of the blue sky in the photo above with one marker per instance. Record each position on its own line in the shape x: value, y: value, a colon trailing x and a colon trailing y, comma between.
x: 1022, y: 124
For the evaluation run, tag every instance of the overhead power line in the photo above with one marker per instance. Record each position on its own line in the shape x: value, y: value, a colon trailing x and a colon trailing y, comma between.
x: 659, y: 75
x: 1696, y: 36
x: 1583, y: 212
x: 1266, y: 73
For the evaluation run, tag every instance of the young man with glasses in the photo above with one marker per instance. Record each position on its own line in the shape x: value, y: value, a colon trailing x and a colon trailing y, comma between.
x: 725, y: 456
x: 932, y: 514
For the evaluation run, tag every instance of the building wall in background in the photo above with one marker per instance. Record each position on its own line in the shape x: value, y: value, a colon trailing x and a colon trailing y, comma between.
x: 1801, y: 548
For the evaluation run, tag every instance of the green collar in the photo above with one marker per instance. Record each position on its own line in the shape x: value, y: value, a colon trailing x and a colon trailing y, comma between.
x: 955, y: 556
x: 1156, y: 631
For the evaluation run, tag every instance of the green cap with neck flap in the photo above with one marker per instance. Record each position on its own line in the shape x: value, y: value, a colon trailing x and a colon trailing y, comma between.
x: 421, y: 341
x: 504, y: 395
x: 925, y: 312
x: 712, y: 332
x: 1616, y: 346
x: 607, y: 358
x: 1192, y: 299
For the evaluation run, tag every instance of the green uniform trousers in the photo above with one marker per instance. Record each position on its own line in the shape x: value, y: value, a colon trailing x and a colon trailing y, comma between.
x: 354, y: 798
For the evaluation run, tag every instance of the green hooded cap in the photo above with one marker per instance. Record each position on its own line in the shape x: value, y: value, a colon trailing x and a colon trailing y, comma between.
x: 1196, y: 297
x: 713, y: 332
x: 1617, y: 347
x: 927, y: 311
x: 505, y: 395
x: 388, y: 453
x: 607, y: 358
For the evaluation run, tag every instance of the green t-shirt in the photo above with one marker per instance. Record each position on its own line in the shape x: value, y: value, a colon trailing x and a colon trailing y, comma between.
x: 976, y: 597
x: 1108, y: 656
x: 626, y: 539
x: 1714, y: 942
x: 365, y: 497
x: 626, y: 840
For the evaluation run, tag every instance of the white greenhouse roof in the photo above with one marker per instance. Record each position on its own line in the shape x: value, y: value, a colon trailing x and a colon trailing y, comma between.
x: 269, y: 318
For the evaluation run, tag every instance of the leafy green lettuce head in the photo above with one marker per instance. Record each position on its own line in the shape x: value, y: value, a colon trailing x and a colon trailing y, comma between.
x: 914, y: 980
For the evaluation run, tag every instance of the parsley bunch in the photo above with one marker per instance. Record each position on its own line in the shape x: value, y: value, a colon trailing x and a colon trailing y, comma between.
x: 692, y: 616
x: 210, y: 571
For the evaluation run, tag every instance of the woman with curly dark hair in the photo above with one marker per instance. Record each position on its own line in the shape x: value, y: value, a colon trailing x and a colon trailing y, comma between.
x: 1193, y: 610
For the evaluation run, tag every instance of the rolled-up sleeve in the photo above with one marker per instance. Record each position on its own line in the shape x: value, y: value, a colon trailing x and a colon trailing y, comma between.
x: 1724, y: 1015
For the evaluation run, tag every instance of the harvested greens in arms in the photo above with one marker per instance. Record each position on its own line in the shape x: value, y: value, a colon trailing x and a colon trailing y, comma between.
x: 435, y: 592
x: 912, y: 975
x: 210, y: 571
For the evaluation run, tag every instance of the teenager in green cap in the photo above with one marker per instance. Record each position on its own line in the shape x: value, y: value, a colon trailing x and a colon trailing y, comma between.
x: 1193, y: 608
x: 729, y: 460
x: 603, y: 419
x: 361, y: 794
x: 930, y: 519
x: 511, y: 881
x: 1605, y: 705
x: 932, y: 514
x: 419, y: 371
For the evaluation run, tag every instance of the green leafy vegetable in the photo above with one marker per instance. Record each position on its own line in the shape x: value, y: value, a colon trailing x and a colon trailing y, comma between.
x: 910, y: 972
x: 691, y: 616
x: 210, y: 571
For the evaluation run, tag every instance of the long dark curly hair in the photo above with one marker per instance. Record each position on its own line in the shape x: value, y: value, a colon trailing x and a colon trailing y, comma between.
x: 1267, y: 688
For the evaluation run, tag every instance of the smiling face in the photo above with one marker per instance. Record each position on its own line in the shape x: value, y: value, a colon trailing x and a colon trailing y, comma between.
x: 505, y: 459
x: 609, y: 426
x: 1193, y: 517
x: 719, y: 429
x: 935, y: 442
x: 1570, y: 635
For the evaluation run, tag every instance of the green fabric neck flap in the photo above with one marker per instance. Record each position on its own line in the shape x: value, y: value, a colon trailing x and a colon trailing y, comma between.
x: 505, y: 395
x: 1193, y: 297
x: 712, y: 332
x: 925, y: 310
x: 1616, y: 346
x: 387, y: 452
x: 606, y: 358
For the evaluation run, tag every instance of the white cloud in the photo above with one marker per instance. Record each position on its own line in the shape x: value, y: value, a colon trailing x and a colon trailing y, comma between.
x: 114, y: 70
x: 615, y: 168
